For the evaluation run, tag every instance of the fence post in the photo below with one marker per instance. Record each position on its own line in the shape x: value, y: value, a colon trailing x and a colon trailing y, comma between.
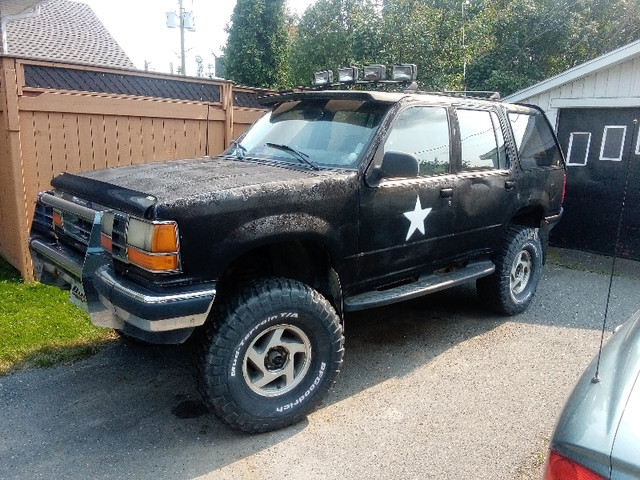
x: 14, y: 240
x: 227, y: 106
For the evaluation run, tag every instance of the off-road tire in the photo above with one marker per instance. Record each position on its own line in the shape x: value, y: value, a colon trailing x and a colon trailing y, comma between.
x: 518, y: 261
x: 269, y: 355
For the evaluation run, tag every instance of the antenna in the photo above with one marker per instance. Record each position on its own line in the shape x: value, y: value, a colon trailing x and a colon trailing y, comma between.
x: 596, y: 377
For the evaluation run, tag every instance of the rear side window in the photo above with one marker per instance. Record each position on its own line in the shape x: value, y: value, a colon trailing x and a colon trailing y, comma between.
x: 481, y: 141
x: 534, y: 140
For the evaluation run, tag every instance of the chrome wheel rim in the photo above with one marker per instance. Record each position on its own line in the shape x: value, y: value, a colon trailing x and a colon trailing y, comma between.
x: 277, y: 360
x: 520, y: 272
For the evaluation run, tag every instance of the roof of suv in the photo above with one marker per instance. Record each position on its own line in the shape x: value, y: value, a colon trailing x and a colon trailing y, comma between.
x: 384, y: 97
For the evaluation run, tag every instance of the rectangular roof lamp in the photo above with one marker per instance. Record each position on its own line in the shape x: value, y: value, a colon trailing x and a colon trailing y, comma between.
x: 407, y: 72
x: 375, y: 73
x: 348, y: 74
x: 323, y: 78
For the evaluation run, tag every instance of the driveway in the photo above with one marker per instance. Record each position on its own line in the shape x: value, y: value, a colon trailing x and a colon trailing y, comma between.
x: 432, y: 388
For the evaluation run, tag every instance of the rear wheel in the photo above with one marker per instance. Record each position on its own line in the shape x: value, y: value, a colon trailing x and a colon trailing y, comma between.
x: 518, y: 260
x: 270, y: 355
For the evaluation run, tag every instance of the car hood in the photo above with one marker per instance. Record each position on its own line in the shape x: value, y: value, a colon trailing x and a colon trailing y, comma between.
x: 136, y: 188
x: 600, y: 423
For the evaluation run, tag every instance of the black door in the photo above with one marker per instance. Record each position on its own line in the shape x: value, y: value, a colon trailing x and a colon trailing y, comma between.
x: 601, y: 146
x: 486, y: 184
x: 406, y: 224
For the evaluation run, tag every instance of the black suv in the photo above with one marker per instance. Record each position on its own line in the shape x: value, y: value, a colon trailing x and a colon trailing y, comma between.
x: 334, y: 201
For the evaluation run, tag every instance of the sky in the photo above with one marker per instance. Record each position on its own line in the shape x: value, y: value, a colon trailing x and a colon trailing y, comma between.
x: 139, y: 26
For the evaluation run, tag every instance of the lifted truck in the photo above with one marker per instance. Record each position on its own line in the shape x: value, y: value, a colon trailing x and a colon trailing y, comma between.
x: 332, y: 202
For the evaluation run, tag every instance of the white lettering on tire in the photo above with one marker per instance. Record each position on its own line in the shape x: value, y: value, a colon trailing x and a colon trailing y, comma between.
x: 308, y: 392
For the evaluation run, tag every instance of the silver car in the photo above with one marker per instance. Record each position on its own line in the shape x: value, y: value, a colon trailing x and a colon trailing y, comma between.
x: 598, y: 433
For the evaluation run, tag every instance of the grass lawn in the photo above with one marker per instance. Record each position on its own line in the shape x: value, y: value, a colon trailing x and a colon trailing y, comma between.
x: 39, y: 327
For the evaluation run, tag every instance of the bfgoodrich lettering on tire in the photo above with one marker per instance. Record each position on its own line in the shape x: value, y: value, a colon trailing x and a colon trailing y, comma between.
x: 271, y: 355
x: 518, y: 262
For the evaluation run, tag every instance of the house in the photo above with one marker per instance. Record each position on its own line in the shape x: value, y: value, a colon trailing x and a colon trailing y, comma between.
x: 59, y: 30
x: 595, y: 108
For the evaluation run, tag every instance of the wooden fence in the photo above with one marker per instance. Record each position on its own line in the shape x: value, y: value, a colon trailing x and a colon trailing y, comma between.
x: 70, y: 118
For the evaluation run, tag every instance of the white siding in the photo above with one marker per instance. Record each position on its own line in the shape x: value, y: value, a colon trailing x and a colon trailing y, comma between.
x: 615, y: 86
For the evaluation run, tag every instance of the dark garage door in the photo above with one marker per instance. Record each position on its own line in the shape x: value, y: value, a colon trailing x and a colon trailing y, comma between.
x: 600, y: 145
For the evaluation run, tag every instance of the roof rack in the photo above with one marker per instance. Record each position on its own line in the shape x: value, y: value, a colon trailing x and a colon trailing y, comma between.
x: 483, y: 94
x: 491, y: 95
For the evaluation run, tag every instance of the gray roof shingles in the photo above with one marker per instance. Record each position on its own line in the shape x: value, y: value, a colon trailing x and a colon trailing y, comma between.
x: 66, y: 31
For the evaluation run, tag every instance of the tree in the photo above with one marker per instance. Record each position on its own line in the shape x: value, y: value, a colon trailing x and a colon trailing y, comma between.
x: 256, y: 53
x: 428, y: 34
x: 502, y: 45
x: 335, y: 33
x: 531, y: 41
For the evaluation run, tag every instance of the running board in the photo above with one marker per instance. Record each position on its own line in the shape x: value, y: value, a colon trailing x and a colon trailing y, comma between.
x: 426, y: 284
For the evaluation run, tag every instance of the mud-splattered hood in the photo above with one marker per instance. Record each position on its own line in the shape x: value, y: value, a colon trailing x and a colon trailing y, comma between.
x: 136, y: 188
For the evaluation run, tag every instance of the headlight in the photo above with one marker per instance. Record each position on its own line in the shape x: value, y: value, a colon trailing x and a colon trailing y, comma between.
x: 151, y: 245
x: 155, y: 237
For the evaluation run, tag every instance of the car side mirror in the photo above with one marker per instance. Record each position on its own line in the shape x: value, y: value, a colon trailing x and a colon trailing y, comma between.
x: 399, y: 165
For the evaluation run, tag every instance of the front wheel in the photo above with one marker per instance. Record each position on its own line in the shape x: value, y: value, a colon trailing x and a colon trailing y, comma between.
x: 518, y: 260
x: 270, y: 356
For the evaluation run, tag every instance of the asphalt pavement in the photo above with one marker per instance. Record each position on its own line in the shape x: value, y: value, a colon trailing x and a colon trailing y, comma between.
x: 432, y: 388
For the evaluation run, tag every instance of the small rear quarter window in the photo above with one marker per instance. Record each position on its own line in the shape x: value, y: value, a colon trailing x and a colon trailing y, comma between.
x: 535, y: 141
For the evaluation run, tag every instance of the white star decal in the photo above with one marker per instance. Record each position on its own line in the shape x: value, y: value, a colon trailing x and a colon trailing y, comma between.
x: 416, y: 217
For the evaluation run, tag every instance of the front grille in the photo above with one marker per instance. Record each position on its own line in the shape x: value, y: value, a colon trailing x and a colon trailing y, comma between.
x: 43, y: 219
x: 119, y: 238
x: 76, y: 228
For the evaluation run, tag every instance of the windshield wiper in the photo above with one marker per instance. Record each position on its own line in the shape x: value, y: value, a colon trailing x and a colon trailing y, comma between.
x: 241, y: 150
x: 301, y: 156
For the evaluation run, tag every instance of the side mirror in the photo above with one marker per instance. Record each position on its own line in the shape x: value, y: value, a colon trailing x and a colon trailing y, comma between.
x: 399, y: 165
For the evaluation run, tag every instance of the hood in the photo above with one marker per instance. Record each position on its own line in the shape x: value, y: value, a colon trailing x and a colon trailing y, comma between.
x: 136, y: 188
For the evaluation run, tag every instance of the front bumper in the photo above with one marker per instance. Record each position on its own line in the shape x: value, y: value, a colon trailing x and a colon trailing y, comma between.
x: 167, y: 313
x: 152, y: 311
x: 115, y: 302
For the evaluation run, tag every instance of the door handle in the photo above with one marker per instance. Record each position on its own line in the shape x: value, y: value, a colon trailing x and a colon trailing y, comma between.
x: 446, y: 192
x: 509, y: 184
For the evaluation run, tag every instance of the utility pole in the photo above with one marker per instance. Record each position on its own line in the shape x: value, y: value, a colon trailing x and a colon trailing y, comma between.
x: 182, y: 59
x: 184, y: 22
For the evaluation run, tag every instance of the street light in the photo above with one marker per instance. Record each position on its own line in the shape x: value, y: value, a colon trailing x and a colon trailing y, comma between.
x: 184, y: 21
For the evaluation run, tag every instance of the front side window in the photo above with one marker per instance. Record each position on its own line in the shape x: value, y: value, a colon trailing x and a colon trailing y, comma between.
x: 534, y: 140
x: 422, y: 132
x: 329, y: 133
x: 481, y: 141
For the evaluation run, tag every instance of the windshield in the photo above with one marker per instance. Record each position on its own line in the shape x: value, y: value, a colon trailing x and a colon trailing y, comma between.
x: 316, y: 133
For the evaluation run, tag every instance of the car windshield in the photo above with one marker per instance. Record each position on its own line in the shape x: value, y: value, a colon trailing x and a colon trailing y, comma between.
x: 316, y: 133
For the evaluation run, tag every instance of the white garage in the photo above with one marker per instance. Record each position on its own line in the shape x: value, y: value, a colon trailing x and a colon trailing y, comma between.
x: 595, y: 108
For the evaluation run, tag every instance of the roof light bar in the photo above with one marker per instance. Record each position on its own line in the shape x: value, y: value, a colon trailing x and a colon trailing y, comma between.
x: 404, y: 73
x: 348, y: 74
x: 325, y: 77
